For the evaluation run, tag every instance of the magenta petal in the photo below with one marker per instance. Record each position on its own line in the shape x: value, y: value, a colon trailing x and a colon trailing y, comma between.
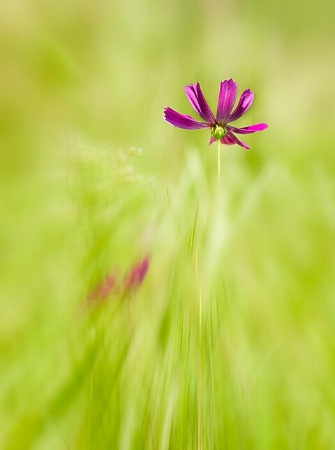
x: 230, y: 139
x: 244, y: 104
x: 227, y: 99
x: 182, y: 120
x: 199, y: 103
x: 212, y: 139
x: 248, y: 130
x: 137, y: 275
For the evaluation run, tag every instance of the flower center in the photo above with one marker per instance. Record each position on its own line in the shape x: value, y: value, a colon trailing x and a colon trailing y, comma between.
x: 218, y: 132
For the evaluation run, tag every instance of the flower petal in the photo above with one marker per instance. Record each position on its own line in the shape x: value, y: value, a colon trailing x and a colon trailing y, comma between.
x: 231, y: 139
x: 227, y: 99
x: 212, y: 139
x: 244, y: 104
x: 182, y: 120
x: 248, y: 130
x: 199, y: 103
x: 135, y: 278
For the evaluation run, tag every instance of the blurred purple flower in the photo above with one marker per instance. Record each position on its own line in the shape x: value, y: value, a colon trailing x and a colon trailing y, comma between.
x: 136, y: 276
x: 220, y: 130
x: 104, y: 289
x: 112, y: 285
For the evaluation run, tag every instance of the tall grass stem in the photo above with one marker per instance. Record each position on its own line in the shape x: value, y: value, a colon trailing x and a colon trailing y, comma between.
x: 201, y: 359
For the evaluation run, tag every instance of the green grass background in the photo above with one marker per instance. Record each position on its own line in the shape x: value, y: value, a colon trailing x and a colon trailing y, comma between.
x: 229, y: 343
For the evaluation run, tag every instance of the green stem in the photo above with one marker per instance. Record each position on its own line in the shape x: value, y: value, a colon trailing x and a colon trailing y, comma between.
x: 219, y: 162
x: 201, y: 357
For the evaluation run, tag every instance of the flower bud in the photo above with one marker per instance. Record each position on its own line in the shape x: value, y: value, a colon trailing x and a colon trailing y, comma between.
x: 218, y: 132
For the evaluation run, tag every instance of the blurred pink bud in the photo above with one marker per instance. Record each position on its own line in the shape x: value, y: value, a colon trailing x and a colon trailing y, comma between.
x: 102, y: 291
x: 135, y: 278
x: 111, y: 284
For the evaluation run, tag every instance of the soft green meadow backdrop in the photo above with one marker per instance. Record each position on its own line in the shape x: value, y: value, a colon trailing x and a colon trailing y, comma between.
x: 229, y: 342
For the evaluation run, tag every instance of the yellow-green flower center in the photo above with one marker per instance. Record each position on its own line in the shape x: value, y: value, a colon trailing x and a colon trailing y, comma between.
x: 218, y: 132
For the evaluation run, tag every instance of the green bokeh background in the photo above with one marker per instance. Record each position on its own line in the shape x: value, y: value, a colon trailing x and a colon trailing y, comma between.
x: 92, y: 179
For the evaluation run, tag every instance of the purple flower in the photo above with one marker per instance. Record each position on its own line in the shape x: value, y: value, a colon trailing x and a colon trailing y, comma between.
x: 220, y: 130
x: 137, y: 274
x: 104, y: 289
x: 114, y: 284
